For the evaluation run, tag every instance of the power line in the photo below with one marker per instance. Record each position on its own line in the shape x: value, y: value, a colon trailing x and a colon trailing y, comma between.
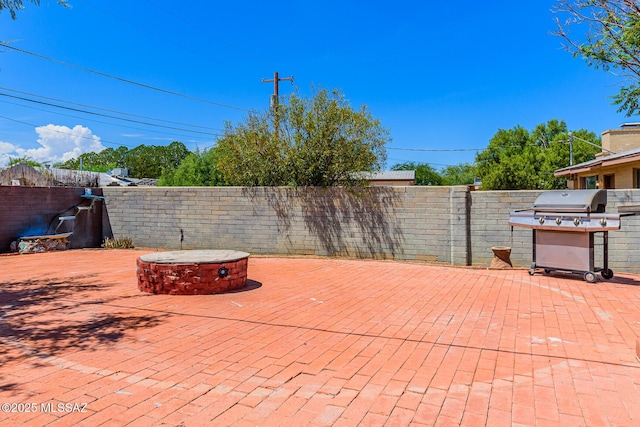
x: 435, y: 149
x: 106, y: 123
x: 460, y: 149
x: 104, y: 115
x: 412, y: 161
x: 68, y: 64
x: 67, y: 133
x: 108, y: 110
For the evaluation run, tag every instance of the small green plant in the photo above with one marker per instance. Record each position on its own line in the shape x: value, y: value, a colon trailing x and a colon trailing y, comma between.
x: 118, y: 243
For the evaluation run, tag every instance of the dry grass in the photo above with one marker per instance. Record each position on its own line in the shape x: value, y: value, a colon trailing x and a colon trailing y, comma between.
x: 118, y: 243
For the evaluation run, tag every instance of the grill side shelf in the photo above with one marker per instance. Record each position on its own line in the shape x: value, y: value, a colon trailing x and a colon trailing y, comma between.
x: 629, y: 210
x: 586, y: 223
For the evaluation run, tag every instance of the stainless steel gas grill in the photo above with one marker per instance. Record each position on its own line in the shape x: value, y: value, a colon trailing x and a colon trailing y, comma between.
x: 564, y: 223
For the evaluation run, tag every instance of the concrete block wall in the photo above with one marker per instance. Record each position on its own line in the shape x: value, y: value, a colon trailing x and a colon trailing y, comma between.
x: 434, y: 224
x: 624, y: 245
x: 407, y: 223
x: 490, y: 225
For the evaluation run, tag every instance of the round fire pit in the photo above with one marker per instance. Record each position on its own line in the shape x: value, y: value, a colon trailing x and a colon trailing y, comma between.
x: 192, y: 272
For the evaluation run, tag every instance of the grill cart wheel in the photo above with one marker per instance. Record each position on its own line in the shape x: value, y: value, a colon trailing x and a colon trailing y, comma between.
x: 532, y: 272
x: 590, y: 277
x: 608, y: 274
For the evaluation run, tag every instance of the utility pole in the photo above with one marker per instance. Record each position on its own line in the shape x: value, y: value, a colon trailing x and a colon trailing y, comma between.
x: 570, y: 148
x: 275, y: 97
x: 572, y: 137
x: 275, y: 80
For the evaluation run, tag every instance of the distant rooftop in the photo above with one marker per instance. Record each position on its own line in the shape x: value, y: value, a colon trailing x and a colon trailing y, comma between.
x: 408, y: 175
x: 630, y: 125
x: 613, y: 159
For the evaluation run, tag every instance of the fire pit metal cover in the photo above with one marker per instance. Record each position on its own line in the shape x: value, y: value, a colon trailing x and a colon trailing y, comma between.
x: 194, y: 256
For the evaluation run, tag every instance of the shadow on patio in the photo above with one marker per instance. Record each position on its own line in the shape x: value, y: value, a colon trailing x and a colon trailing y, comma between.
x: 44, y: 318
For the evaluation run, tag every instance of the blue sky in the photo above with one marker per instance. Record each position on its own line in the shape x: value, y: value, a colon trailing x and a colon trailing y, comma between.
x: 442, y: 76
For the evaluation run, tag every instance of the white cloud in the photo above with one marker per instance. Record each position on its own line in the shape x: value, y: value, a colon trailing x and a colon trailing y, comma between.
x: 55, y: 144
x: 6, y: 150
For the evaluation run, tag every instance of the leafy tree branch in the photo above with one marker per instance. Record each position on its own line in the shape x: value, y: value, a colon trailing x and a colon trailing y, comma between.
x: 607, y: 38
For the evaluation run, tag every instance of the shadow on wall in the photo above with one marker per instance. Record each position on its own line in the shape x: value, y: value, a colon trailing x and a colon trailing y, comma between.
x: 345, y: 222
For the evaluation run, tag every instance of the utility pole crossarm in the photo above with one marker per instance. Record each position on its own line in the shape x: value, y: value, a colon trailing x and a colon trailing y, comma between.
x: 275, y: 81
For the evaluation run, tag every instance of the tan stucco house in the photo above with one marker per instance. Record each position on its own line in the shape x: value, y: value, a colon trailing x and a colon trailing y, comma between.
x: 617, y: 166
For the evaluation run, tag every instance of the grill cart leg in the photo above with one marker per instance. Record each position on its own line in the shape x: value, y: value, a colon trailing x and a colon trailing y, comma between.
x: 606, y: 273
x: 532, y: 270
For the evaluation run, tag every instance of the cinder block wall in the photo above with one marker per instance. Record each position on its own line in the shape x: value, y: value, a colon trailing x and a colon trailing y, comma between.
x: 436, y: 224
x: 407, y: 223
x: 624, y: 245
x: 490, y: 225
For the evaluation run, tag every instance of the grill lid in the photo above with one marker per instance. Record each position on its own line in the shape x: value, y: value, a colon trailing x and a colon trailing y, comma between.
x: 571, y: 201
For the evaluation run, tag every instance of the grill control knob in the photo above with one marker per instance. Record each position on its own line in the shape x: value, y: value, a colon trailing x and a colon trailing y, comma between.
x: 558, y: 221
x: 603, y: 222
x: 576, y: 222
x: 541, y: 220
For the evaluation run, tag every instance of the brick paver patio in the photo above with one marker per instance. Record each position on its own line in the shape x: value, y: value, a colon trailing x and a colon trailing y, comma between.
x: 315, y: 342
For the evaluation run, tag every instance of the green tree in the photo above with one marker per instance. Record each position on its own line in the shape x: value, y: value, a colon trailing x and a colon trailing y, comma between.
x: 517, y: 159
x: 197, y: 169
x: 173, y: 154
x: 113, y: 158
x: 26, y: 160
x: 320, y: 141
x: 103, y: 161
x: 610, y: 40
x: 251, y: 155
x: 144, y: 161
x: 461, y: 174
x: 425, y: 174
x: 585, y: 146
x: 149, y: 161
x: 14, y: 6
